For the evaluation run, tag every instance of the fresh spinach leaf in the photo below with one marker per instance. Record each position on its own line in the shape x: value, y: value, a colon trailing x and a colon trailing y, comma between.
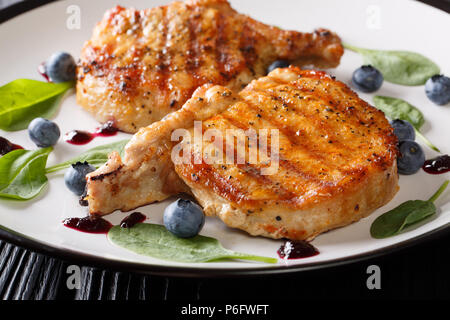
x: 23, y: 100
x: 155, y: 241
x: 400, y: 67
x: 396, y: 108
x: 394, y: 221
x: 406, y: 214
x: 22, y: 173
x: 95, y: 156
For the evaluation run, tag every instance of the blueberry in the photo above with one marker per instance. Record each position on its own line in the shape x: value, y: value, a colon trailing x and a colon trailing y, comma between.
x: 278, y: 64
x: 367, y: 79
x: 411, y: 157
x: 184, y: 218
x: 403, y: 130
x: 437, y: 89
x: 60, y: 67
x: 44, y: 133
x: 75, y: 177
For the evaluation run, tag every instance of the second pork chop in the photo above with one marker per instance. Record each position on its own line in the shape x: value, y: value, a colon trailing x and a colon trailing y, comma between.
x: 140, y: 65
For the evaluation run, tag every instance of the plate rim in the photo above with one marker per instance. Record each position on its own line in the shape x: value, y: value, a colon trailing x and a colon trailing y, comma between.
x: 68, y: 255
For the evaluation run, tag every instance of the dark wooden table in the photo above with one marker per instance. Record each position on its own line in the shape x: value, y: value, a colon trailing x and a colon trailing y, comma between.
x: 419, y: 272
x: 422, y: 271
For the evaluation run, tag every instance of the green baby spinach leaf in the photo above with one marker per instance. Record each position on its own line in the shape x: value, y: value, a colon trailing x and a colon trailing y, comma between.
x: 155, y: 241
x: 394, y: 221
x: 405, y: 215
x: 22, y: 173
x: 22, y: 100
x: 396, y: 108
x: 95, y: 156
x: 400, y: 67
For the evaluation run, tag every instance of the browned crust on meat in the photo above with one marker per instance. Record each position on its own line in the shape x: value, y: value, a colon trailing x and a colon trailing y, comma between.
x: 280, y: 221
x: 347, y: 137
x: 337, y: 159
x: 146, y: 174
x: 140, y: 65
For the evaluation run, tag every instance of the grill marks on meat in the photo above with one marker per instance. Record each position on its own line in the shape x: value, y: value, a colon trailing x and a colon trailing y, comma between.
x: 140, y: 65
x: 337, y: 153
x: 325, y: 143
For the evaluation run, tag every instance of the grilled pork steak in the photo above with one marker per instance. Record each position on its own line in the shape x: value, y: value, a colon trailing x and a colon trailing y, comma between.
x: 337, y: 158
x: 141, y: 65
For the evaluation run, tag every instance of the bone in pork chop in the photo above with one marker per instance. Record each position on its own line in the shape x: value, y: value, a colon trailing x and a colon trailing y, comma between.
x: 337, y: 158
x: 140, y: 65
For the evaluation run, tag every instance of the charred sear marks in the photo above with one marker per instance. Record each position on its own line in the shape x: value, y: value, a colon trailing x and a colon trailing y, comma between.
x: 102, y: 176
x: 171, y: 50
x: 309, y: 111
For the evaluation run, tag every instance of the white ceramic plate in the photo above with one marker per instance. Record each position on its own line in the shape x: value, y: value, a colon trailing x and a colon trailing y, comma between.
x: 30, y: 38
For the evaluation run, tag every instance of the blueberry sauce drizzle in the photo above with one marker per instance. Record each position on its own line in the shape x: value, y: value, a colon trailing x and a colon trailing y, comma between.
x: 7, y: 146
x: 42, y: 72
x: 79, y: 137
x: 88, y: 224
x: 296, y: 250
x: 132, y: 219
x: 437, y: 165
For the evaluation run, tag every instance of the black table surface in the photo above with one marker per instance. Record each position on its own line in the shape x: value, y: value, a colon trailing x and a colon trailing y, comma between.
x: 421, y: 271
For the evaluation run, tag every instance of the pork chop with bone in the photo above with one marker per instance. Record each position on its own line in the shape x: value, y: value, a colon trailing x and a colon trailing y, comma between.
x: 141, y: 65
x: 337, y: 158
